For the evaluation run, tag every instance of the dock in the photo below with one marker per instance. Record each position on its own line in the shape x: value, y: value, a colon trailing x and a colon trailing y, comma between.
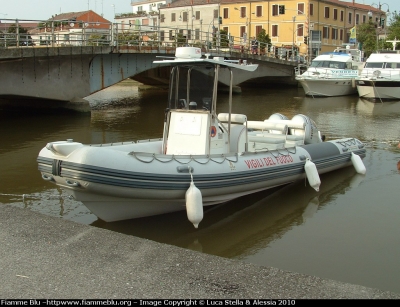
x: 48, y: 257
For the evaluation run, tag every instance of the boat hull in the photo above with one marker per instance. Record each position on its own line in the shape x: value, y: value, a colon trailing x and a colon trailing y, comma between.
x: 375, y: 89
x: 119, y: 182
x: 328, y: 87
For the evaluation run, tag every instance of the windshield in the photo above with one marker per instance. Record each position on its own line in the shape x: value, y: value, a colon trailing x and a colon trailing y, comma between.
x: 200, y: 85
x: 374, y: 65
x: 329, y: 64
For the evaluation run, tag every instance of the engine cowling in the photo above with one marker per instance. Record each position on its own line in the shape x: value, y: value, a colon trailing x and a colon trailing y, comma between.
x: 311, y: 133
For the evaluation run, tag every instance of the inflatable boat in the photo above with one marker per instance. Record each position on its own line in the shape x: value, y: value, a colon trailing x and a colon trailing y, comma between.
x: 201, y: 158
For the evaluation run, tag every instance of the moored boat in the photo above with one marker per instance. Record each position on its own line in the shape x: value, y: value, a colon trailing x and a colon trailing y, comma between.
x: 202, y: 158
x: 332, y: 74
x: 380, y: 78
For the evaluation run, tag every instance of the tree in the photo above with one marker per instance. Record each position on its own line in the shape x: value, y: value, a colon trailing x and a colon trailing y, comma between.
x: 128, y: 38
x: 366, y: 35
x: 97, y: 40
x: 264, y: 41
x: 223, y: 39
x: 393, y: 31
x: 24, y: 38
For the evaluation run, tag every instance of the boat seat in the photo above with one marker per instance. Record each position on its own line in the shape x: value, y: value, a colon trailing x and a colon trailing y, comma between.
x: 235, y: 118
x: 295, y: 134
x: 267, y: 126
x: 237, y: 141
x: 263, y: 134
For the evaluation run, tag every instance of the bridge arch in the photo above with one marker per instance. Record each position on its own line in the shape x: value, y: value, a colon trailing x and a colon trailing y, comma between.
x: 69, y: 74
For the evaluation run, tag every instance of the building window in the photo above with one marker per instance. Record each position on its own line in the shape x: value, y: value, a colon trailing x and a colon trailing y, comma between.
x: 364, y: 19
x: 226, y: 13
x: 197, y: 14
x: 311, y: 9
x: 350, y: 17
x: 242, y: 31
x: 162, y: 35
x: 275, y: 30
x: 357, y: 19
x: 173, y: 16
x: 334, y: 33
x: 258, y: 10
x: 326, y: 12
x: 278, y: 10
x: 325, y: 32
x: 300, y: 30
x: 341, y: 15
x: 275, y: 11
x: 140, y: 9
x: 162, y: 18
x: 258, y: 30
x: 243, y: 12
x: 335, y: 14
x: 300, y: 8
x: 197, y: 34
x: 185, y: 16
x: 171, y: 35
x: 341, y: 34
x: 216, y: 13
x: 189, y: 34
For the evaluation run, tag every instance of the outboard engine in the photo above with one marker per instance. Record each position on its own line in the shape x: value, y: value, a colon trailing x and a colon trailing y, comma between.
x: 277, y: 116
x: 312, y: 134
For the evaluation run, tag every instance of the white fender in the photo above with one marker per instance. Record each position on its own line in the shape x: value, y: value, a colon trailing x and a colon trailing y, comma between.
x: 312, y: 175
x: 194, y: 205
x: 358, y: 164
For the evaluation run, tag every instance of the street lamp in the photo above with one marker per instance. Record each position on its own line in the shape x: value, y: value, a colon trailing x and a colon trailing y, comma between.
x: 187, y: 22
x: 201, y: 31
x: 112, y: 28
x: 244, y: 37
x: 381, y: 24
x: 295, y: 30
x: 208, y: 34
x: 294, y: 19
x: 113, y: 5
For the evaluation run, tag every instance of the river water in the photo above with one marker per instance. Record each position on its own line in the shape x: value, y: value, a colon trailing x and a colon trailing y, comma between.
x: 348, y: 231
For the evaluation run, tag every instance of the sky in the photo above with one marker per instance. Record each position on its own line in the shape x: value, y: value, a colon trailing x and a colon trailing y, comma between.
x: 44, y: 9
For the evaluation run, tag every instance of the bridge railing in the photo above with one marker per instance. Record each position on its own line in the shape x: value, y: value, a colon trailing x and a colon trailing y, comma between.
x: 15, y: 33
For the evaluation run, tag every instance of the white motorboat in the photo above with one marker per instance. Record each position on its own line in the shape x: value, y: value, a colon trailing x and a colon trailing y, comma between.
x: 332, y: 73
x: 203, y: 158
x: 380, y: 78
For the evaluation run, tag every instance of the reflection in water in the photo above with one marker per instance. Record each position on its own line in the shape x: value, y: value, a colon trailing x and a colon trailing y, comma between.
x: 388, y: 108
x: 242, y: 226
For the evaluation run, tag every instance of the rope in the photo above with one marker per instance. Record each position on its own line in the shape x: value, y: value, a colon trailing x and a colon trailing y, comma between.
x: 189, y: 159
x: 373, y: 85
x: 348, y: 142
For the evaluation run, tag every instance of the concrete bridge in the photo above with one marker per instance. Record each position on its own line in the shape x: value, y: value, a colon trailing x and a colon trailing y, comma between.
x: 64, y: 76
